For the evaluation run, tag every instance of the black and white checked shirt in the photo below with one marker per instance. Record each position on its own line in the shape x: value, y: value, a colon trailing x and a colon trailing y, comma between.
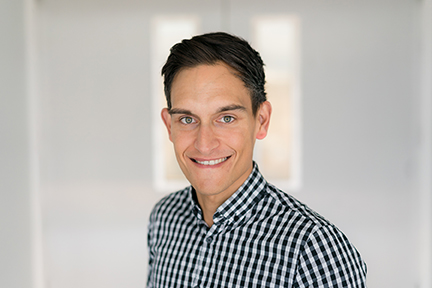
x: 261, y: 237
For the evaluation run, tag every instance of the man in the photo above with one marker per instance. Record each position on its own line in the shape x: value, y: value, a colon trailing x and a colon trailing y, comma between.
x: 231, y: 228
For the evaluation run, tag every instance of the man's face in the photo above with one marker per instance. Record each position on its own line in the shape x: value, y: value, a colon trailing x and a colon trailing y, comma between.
x: 213, y: 129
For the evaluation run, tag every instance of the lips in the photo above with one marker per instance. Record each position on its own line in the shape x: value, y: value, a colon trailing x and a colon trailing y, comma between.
x: 211, y: 162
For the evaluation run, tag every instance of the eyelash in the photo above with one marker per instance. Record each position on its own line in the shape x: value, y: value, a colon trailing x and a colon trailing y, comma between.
x: 227, y: 116
x: 183, y: 120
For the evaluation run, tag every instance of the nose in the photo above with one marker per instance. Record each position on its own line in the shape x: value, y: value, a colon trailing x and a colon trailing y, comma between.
x: 206, y: 140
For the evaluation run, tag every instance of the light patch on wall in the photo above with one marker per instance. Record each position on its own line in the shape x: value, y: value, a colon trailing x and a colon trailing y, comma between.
x: 166, y: 31
x: 276, y: 38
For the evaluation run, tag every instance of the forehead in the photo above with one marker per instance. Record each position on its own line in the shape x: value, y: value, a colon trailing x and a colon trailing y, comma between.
x: 209, y: 86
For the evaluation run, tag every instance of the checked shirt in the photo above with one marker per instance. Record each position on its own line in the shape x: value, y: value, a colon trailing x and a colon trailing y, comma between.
x: 261, y: 237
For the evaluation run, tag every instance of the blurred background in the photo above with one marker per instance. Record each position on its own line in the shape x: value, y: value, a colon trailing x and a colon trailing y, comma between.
x: 77, y: 130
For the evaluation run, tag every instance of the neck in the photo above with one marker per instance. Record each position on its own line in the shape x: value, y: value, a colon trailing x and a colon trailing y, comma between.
x: 209, y: 205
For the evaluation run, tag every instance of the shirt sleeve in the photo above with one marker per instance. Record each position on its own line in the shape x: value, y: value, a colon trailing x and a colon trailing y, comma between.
x: 150, y: 240
x: 328, y: 259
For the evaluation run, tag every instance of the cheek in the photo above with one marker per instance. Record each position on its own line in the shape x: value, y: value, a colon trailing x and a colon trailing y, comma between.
x: 239, y: 139
x: 181, y: 140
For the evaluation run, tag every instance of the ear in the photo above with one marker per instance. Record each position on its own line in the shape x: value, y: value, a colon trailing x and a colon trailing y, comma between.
x: 166, y: 118
x: 263, y: 118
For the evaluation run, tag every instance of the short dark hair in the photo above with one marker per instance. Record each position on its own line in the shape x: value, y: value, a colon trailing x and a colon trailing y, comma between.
x: 211, y: 48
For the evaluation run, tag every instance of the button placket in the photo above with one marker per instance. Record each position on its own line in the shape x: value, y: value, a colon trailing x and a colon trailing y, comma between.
x: 204, y: 261
x: 201, y: 256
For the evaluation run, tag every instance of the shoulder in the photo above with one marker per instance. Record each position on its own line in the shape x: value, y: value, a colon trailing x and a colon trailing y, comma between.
x: 295, y: 209
x: 322, y: 246
x: 334, y: 260
x: 171, y: 204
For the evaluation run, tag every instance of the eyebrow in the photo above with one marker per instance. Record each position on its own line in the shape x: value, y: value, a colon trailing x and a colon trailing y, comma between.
x: 231, y: 107
x: 179, y: 111
x: 222, y: 109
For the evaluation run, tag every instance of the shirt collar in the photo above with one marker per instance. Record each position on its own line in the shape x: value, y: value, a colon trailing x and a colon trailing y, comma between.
x: 242, y: 201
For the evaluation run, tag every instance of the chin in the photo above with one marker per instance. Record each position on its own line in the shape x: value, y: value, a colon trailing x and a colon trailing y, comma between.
x: 208, y: 188
x: 205, y: 189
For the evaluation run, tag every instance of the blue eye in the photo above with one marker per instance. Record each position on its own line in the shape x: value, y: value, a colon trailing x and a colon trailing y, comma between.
x: 187, y: 120
x: 227, y: 119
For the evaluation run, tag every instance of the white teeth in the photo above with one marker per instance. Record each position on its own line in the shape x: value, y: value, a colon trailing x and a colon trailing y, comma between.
x: 212, y: 162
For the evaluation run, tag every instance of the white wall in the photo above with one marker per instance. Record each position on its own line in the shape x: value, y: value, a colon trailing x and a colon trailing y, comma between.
x: 360, y: 84
x: 15, y: 222
x: 425, y: 147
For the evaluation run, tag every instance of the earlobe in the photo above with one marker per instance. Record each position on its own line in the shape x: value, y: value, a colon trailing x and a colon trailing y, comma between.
x: 166, y: 118
x: 263, y: 116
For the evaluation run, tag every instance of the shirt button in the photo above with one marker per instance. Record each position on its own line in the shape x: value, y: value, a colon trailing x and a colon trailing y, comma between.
x: 209, y: 239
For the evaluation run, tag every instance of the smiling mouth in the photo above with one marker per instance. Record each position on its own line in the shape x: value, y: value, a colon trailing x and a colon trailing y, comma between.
x: 211, y: 162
